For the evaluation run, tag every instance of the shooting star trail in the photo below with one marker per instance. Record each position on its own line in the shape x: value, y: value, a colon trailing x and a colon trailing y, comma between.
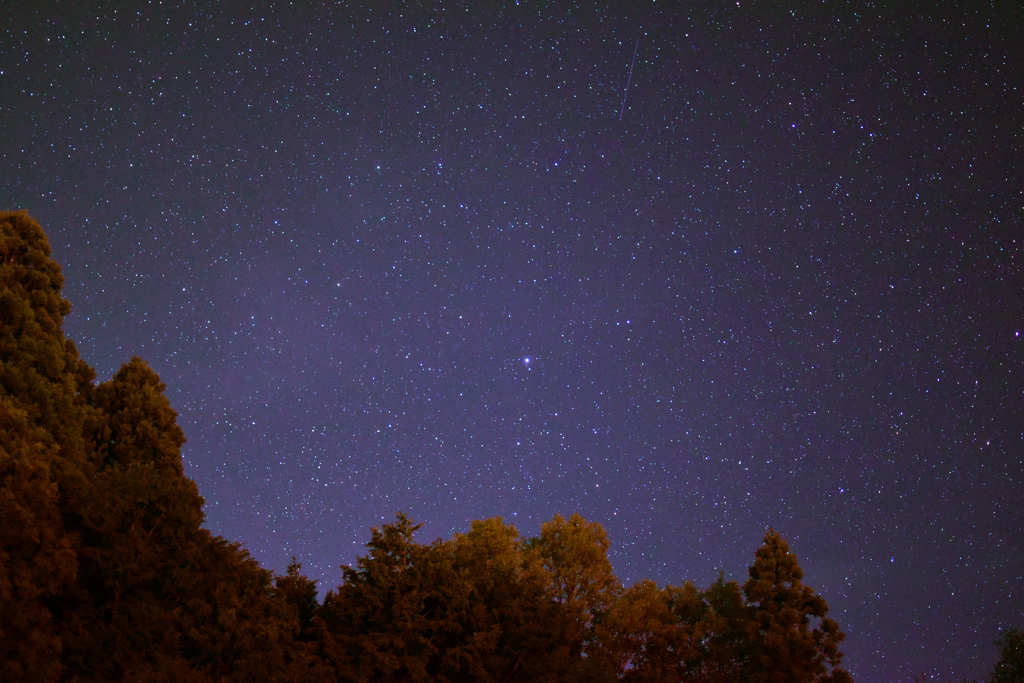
x: 629, y: 78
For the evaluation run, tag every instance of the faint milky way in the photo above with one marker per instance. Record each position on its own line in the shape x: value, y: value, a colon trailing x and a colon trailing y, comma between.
x: 411, y: 259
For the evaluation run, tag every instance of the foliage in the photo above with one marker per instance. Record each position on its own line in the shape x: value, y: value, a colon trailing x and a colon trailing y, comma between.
x: 42, y: 451
x: 299, y: 592
x: 106, y: 573
x: 574, y: 554
x: 1010, y: 667
x: 779, y: 641
x: 473, y: 608
x: 37, y: 561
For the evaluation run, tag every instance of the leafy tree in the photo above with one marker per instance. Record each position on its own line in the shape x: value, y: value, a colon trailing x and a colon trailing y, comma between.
x: 506, y: 623
x: 574, y: 553
x: 1010, y: 667
x: 780, y: 645
x: 722, y: 634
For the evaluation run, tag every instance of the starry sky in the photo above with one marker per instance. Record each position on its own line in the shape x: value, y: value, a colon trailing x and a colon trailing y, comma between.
x: 691, y: 270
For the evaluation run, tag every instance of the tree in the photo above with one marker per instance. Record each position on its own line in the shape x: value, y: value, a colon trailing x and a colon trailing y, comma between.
x: 574, y: 553
x: 233, y: 626
x: 779, y: 645
x: 105, y: 571
x: 160, y: 598
x: 722, y: 622
x: 37, y: 561
x: 506, y: 623
x: 376, y: 625
x: 40, y: 371
x: 476, y: 608
x: 638, y: 639
x: 299, y: 592
x: 675, y: 633
x: 1010, y: 667
x: 43, y: 457
x: 138, y: 522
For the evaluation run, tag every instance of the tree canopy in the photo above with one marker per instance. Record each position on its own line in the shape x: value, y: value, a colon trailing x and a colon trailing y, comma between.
x: 107, y: 574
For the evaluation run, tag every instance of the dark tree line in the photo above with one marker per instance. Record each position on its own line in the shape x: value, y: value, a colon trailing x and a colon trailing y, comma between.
x: 106, y: 573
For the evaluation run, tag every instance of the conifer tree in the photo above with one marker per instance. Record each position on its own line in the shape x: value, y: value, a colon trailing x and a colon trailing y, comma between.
x: 376, y: 625
x: 105, y: 571
x: 507, y: 626
x: 139, y: 524
x: 43, y: 456
x: 476, y: 608
x: 37, y: 561
x: 299, y: 592
x: 780, y: 644
x: 159, y: 597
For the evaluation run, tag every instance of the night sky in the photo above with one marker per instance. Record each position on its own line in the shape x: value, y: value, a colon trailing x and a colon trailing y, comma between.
x: 438, y: 259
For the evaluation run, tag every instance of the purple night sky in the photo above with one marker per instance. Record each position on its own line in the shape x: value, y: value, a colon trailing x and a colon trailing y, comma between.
x: 410, y: 258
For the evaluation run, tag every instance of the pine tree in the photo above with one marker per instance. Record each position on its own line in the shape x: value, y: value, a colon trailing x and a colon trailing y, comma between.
x: 780, y: 644
x: 375, y: 626
x: 299, y: 592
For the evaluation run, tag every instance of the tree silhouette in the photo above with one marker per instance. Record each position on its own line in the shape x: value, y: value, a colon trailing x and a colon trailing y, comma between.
x: 105, y: 571
x: 299, y: 592
x: 574, y: 554
x: 43, y: 457
x: 780, y: 644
